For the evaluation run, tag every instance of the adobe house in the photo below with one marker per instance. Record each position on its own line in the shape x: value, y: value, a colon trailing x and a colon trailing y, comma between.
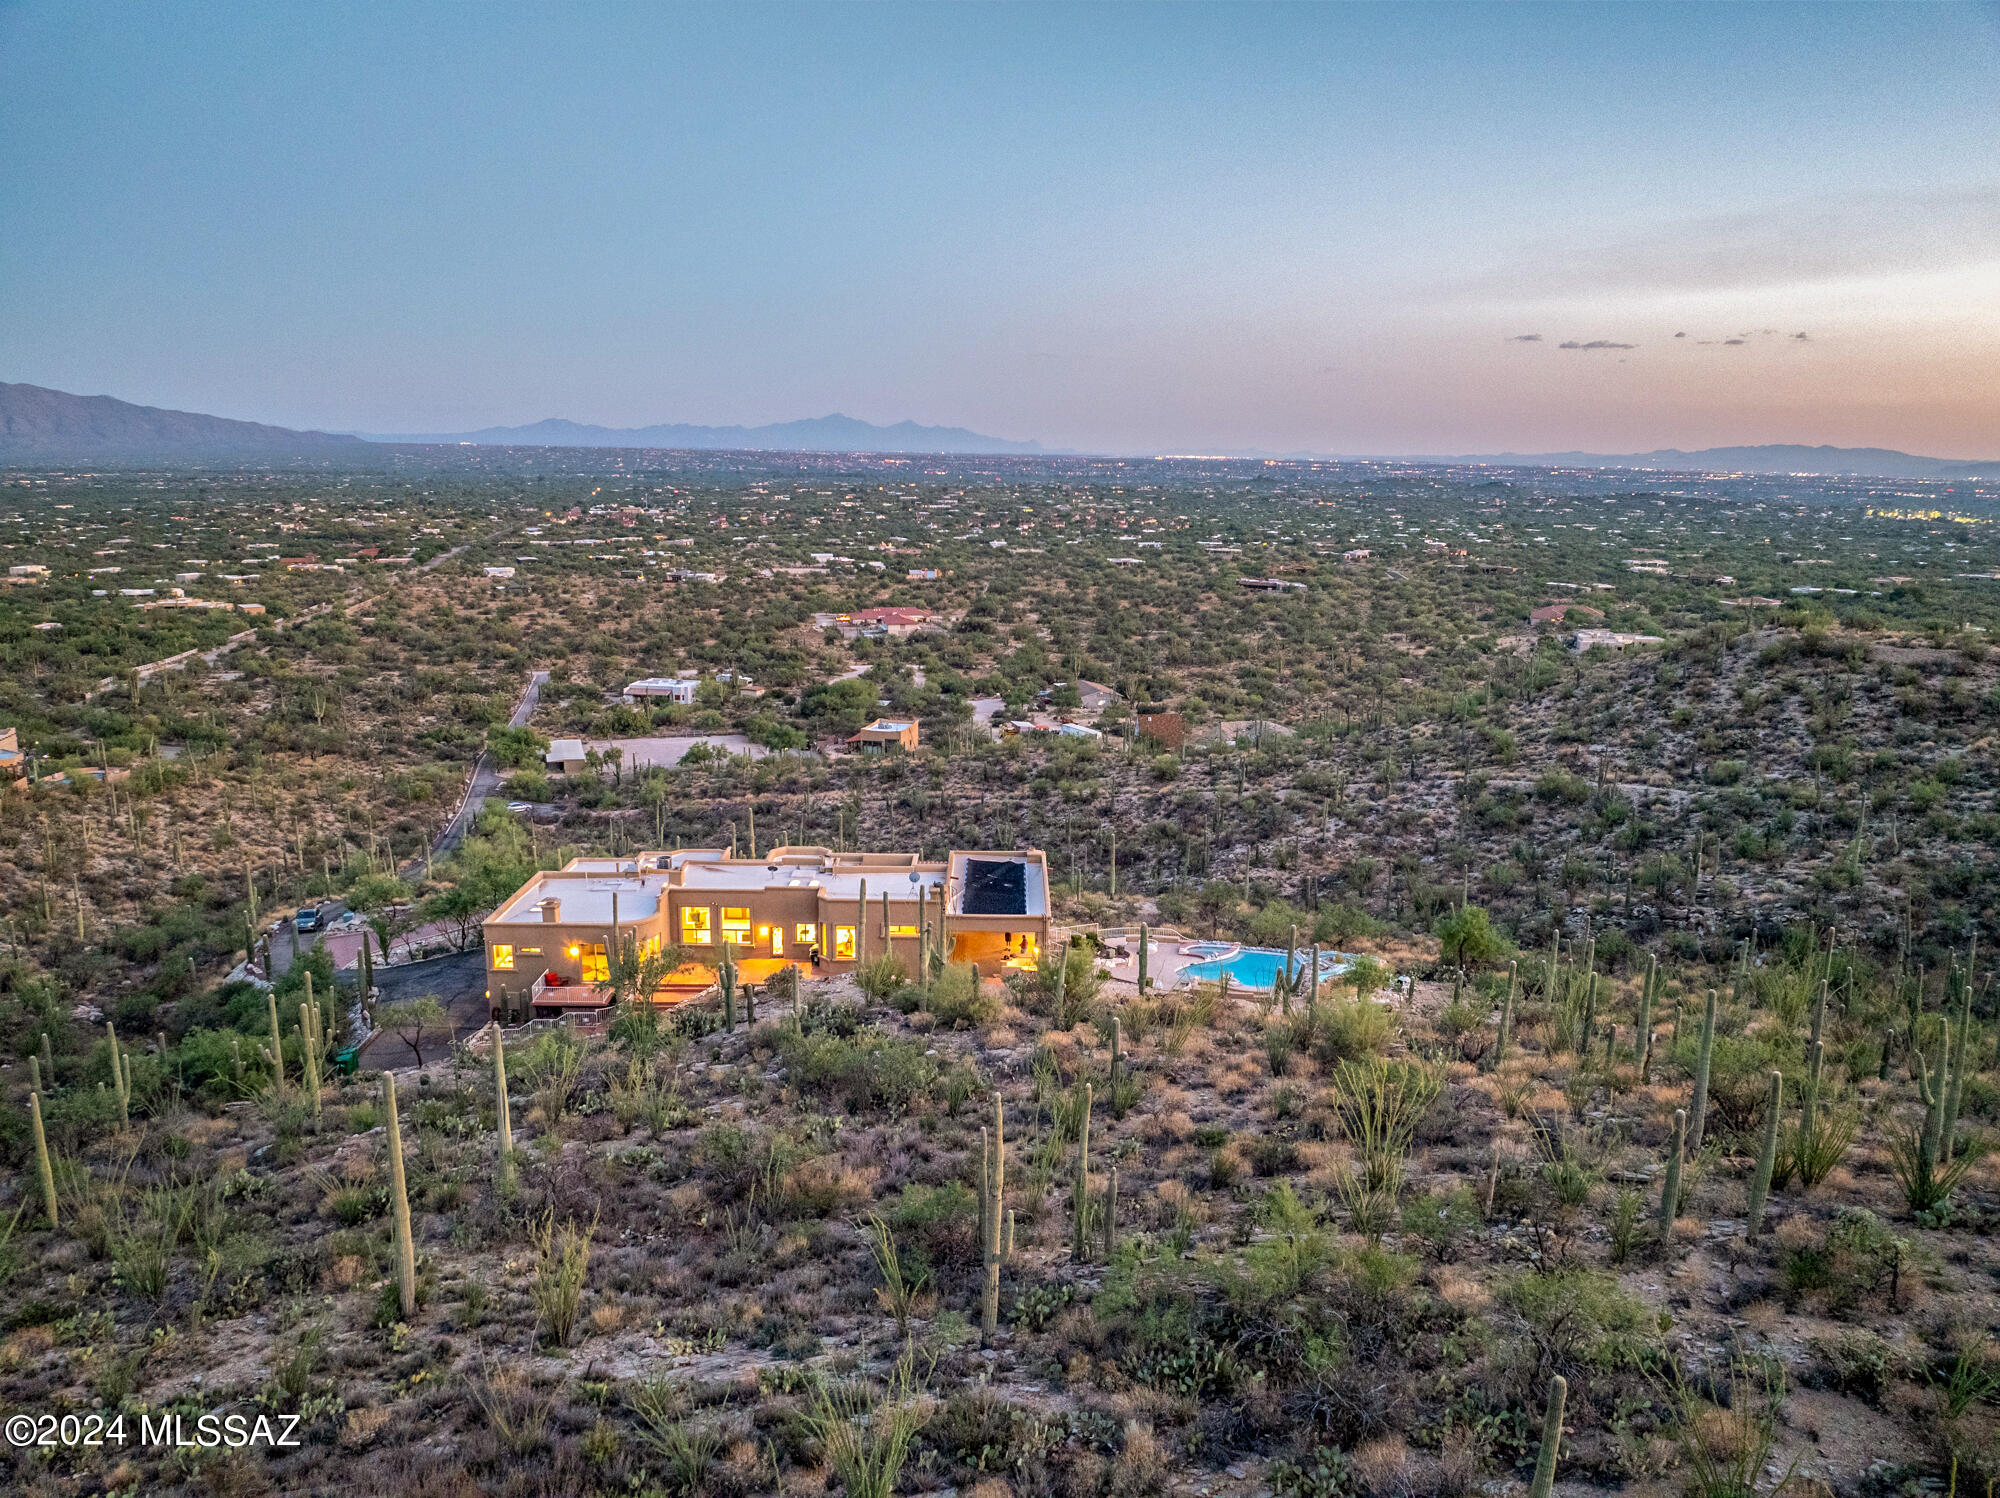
x: 885, y: 734
x: 548, y: 947
x: 565, y: 757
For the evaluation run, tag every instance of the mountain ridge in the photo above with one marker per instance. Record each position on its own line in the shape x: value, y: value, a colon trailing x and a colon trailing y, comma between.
x: 1764, y: 458
x: 55, y: 426
x: 831, y: 433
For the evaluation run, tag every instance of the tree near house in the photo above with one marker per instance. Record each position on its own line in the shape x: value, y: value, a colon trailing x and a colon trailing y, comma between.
x: 384, y: 903
x: 1467, y: 938
x: 410, y: 1020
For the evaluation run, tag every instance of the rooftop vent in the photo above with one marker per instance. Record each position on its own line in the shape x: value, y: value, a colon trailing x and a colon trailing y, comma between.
x: 552, y: 910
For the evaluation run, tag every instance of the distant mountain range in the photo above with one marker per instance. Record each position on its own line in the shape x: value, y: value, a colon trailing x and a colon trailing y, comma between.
x: 1777, y: 457
x: 836, y: 433
x: 49, y: 426
x: 42, y: 426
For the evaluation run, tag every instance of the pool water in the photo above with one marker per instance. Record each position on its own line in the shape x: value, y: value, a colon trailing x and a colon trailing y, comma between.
x: 1257, y: 967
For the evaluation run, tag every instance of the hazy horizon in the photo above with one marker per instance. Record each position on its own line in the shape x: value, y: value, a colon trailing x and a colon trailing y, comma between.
x: 1333, y: 229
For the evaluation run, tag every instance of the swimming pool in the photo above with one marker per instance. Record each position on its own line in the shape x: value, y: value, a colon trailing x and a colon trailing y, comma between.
x: 1256, y: 967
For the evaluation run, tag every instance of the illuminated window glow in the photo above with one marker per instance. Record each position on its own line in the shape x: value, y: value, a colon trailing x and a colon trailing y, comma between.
x: 503, y: 958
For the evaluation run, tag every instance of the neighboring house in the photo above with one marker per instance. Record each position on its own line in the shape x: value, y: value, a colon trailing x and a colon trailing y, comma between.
x: 1359, y: 554
x: 1555, y: 613
x: 12, y: 760
x: 922, y: 574
x: 500, y: 572
x: 885, y: 734
x: 565, y: 757
x: 1168, y: 730
x: 674, y: 688
x: 549, y: 947
x: 1586, y: 638
x: 1269, y: 584
x: 895, y: 623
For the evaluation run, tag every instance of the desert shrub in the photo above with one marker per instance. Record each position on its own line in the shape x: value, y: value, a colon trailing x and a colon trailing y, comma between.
x: 958, y: 998
x: 1442, y: 1220
x: 871, y: 1070
x: 1579, y: 1319
x: 1351, y: 1029
x: 939, y: 1223
x: 881, y: 975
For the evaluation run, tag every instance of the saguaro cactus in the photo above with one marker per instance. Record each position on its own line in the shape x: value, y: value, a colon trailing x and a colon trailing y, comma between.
x: 1117, y: 1056
x: 1145, y: 941
x: 1767, y: 1155
x: 1670, y: 1189
x: 309, y: 1052
x: 1080, y: 1198
x: 43, y: 1167
x: 276, y: 1055
x: 1589, y: 1031
x: 1552, y: 1432
x: 1698, y: 1110
x: 399, y: 1198
x: 121, y: 1076
x: 502, y: 1118
x: 1506, y: 1015
x: 861, y: 925
x: 1646, y: 990
x: 1111, y: 1216
x: 726, y: 976
x: 993, y: 1245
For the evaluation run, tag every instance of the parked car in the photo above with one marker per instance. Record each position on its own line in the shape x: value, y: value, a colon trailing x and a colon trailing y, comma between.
x: 306, y: 920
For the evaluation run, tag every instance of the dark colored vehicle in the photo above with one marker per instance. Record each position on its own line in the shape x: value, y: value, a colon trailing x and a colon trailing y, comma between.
x: 306, y: 920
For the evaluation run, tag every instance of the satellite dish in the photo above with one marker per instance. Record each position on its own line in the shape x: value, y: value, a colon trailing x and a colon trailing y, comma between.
x: 916, y: 877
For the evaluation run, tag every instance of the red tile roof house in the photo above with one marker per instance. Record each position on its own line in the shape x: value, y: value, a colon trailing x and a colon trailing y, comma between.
x: 1554, y: 613
x: 894, y: 622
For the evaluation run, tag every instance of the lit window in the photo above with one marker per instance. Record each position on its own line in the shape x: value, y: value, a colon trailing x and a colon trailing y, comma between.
x: 909, y: 931
x: 695, y: 929
x: 843, y: 943
x: 530, y: 951
x: 503, y: 958
x: 596, y: 965
x: 807, y: 933
x: 736, y: 924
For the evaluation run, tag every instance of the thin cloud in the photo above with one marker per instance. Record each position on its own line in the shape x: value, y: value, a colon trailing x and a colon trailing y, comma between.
x: 1526, y: 338
x: 1595, y: 343
x: 1786, y: 244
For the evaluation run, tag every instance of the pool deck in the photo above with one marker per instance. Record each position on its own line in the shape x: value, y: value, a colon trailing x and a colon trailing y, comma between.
x: 1170, y: 957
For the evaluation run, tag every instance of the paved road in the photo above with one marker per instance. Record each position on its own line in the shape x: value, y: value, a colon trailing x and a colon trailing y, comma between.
x: 459, y: 981
x: 486, y: 778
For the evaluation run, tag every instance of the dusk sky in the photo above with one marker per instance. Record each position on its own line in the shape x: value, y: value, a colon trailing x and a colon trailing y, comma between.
x: 1164, y: 229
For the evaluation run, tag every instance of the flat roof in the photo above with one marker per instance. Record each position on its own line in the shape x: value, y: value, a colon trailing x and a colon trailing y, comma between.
x: 587, y: 900
x: 565, y: 749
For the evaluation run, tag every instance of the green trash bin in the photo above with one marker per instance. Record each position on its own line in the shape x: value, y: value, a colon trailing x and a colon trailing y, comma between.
x: 346, y: 1063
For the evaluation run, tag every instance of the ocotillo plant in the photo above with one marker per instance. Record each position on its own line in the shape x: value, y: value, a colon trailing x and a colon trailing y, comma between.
x: 1767, y: 1155
x: 1670, y: 1189
x: 43, y: 1167
x: 399, y: 1199
x: 120, y: 1077
x: 1145, y: 940
x: 992, y: 1216
x: 1080, y: 1198
x: 1506, y: 1015
x: 1552, y: 1434
x: 1698, y: 1110
x: 501, y: 1116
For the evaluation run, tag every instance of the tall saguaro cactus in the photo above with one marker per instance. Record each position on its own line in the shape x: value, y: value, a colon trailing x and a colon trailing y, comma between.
x: 726, y: 976
x: 276, y: 1055
x: 44, y: 1168
x: 1080, y: 1199
x: 1670, y: 1189
x: 1506, y: 1014
x: 1646, y: 990
x: 993, y: 1181
x: 121, y: 1076
x: 1767, y: 1155
x: 1145, y: 941
x: 1552, y: 1432
x: 502, y: 1118
x: 399, y: 1199
x: 1698, y: 1110
x: 861, y: 925
x: 1111, y: 1216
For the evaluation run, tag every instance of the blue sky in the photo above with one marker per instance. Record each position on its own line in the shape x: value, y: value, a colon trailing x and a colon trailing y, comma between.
x: 1337, y: 228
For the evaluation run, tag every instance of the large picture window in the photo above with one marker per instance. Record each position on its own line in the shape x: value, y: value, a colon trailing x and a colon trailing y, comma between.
x: 695, y: 928
x: 503, y: 957
x: 596, y: 964
x: 736, y: 924
x: 843, y: 943
x: 807, y: 933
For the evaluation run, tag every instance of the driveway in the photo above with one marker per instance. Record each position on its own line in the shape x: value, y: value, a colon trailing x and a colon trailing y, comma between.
x: 459, y: 981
